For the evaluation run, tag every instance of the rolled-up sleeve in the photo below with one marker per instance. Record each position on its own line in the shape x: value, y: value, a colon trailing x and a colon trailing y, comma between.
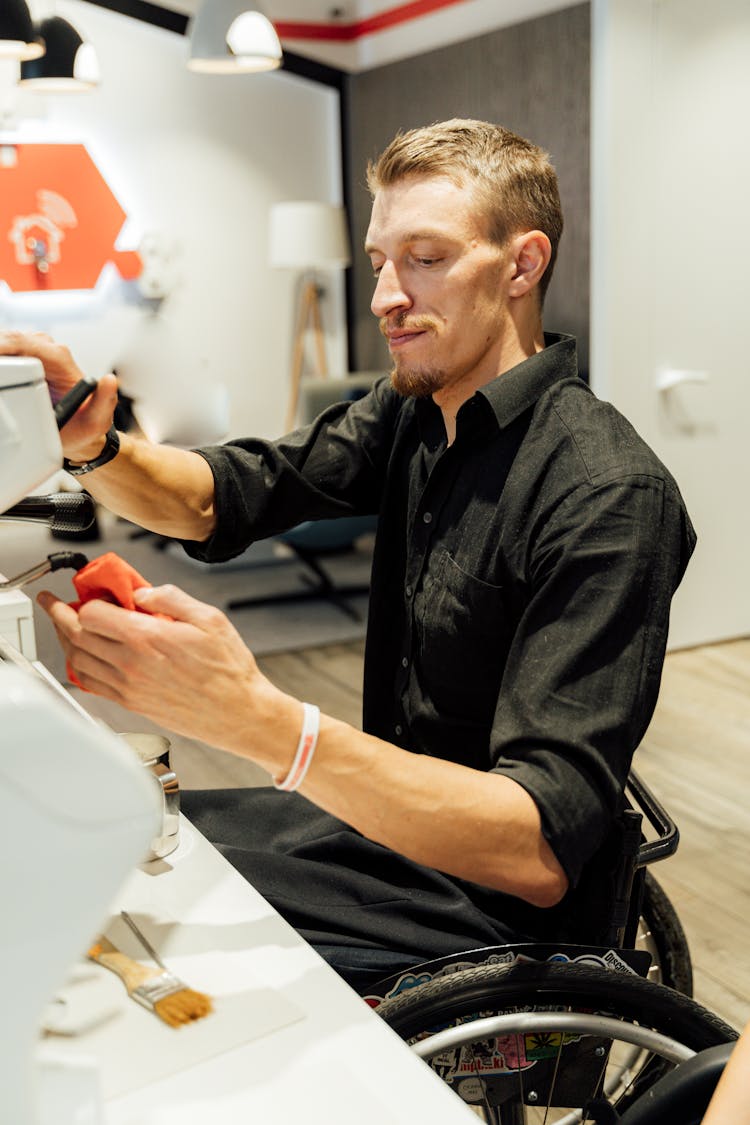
x: 329, y: 469
x: 583, y: 674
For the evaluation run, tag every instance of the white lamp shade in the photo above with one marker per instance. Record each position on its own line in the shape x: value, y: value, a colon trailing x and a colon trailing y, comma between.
x: 227, y: 37
x: 86, y: 65
x: 306, y: 235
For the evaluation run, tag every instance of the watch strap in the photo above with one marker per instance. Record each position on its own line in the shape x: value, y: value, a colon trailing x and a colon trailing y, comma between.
x: 109, y: 452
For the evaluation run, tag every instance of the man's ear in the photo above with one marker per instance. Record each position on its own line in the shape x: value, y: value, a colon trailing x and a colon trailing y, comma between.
x: 531, y: 252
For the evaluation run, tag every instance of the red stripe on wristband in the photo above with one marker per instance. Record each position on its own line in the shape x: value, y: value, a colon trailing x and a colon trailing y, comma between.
x: 305, y: 749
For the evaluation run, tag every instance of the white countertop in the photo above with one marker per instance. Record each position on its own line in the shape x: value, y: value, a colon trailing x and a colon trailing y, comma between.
x: 289, y: 1040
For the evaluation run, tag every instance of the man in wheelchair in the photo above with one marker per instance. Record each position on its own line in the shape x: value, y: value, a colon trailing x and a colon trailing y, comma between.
x: 528, y: 547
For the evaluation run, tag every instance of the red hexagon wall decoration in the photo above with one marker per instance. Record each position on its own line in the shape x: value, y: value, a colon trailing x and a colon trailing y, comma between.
x: 59, y: 220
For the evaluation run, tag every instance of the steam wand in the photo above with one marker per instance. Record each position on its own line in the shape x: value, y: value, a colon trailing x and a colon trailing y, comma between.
x: 57, y: 561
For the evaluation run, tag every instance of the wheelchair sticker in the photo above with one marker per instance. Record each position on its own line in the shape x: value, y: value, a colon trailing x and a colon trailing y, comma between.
x: 608, y: 960
x: 505, y: 1054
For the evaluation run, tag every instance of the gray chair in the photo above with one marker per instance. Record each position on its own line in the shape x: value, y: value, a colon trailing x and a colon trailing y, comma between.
x: 310, y: 543
x: 313, y: 540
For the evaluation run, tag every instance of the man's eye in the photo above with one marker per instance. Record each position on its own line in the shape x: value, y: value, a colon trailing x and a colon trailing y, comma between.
x: 428, y: 261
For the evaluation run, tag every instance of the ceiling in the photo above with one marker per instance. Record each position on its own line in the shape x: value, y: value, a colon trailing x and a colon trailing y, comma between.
x: 356, y: 35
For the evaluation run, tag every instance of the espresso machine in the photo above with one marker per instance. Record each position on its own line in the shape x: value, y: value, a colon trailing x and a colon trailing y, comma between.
x: 77, y: 811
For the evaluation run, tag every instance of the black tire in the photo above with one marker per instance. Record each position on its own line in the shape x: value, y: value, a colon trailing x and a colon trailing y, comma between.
x: 486, y: 989
x: 662, y: 933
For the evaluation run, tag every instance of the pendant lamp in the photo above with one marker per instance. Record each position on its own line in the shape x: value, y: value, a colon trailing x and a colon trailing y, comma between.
x: 227, y: 37
x: 18, y: 37
x: 69, y: 65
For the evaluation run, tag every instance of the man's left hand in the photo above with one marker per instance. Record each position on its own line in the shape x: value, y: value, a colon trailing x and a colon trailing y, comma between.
x: 193, y: 674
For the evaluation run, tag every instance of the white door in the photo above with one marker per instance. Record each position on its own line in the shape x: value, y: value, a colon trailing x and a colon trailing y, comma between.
x: 671, y: 271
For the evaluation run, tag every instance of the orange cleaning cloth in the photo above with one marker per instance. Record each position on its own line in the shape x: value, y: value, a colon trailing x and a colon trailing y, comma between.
x: 110, y: 579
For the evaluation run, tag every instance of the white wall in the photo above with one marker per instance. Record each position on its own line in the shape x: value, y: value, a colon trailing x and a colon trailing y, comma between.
x: 199, y: 160
x: 670, y: 254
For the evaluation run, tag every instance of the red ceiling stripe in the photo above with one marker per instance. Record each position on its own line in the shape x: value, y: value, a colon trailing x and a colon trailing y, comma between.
x: 339, y: 33
x: 346, y: 32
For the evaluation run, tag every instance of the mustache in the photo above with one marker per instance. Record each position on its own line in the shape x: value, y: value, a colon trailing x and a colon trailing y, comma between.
x: 404, y: 322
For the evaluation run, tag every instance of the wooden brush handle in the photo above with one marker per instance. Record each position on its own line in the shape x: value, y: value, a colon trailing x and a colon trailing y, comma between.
x: 132, y: 973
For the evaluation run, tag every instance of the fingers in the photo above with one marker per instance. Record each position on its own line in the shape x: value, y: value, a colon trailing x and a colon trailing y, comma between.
x: 91, y: 657
x: 82, y: 436
x: 59, y: 366
x: 182, y: 607
x: 95, y: 416
x: 113, y: 623
x: 37, y: 344
x: 61, y: 613
x: 191, y: 673
x: 96, y: 677
x: 72, y: 629
x: 64, y: 618
x: 22, y: 343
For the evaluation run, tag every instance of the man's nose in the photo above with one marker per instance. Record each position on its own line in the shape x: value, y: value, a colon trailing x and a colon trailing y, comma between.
x: 389, y: 294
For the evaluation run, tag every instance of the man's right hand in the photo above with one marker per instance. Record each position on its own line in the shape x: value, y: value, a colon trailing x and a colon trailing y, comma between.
x: 84, y: 435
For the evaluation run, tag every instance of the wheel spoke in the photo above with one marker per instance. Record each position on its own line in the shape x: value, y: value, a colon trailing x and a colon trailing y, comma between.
x: 554, y: 1079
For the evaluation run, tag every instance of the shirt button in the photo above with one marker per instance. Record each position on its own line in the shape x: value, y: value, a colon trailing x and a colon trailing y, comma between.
x: 404, y: 662
x: 399, y: 729
x: 427, y: 517
x: 409, y: 591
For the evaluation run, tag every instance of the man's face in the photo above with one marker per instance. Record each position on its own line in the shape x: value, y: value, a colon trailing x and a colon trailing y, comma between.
x: 441, y: 293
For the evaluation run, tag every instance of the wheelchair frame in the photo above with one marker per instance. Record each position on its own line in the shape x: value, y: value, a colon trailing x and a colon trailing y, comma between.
x: 459, y: 990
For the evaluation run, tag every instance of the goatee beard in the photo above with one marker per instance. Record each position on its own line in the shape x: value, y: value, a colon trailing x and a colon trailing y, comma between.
x: 413, y: 383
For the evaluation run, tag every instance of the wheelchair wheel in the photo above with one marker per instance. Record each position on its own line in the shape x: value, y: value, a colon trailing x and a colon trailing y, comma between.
x: 661, y: 933
x: 523, y: 1076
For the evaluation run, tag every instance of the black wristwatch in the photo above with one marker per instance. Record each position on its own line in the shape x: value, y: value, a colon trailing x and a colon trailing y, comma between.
x: 108, y: 453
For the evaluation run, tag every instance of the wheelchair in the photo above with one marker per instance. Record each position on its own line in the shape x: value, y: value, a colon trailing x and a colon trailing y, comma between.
x: 557, y: 1034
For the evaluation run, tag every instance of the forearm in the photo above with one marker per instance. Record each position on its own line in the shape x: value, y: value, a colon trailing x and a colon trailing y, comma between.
x: 167, y: 490
x: 194, y: 675
x: 478, y: 826
x: 731, y: 1100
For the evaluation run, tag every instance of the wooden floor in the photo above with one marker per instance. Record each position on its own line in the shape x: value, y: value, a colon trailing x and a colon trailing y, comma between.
x: 696, y: 756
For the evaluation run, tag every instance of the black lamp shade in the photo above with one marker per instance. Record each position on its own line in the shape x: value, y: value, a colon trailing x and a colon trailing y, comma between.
x: 18, y: 37
x: 57, y: 67
x: 62, y: 42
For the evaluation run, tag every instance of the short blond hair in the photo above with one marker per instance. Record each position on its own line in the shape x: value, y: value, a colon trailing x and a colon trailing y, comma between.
x: 515, y: 179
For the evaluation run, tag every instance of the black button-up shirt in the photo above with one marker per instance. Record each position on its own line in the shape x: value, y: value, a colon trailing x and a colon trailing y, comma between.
x: 521, y: 579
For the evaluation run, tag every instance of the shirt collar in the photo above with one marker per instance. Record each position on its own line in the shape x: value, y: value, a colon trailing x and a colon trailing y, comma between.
x: 511, y: 393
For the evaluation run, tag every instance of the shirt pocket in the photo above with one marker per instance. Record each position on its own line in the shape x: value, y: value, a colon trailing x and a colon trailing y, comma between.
x: 463, y: 632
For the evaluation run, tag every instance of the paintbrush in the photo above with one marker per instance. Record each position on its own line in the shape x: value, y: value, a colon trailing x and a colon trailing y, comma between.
x: 159, y: 990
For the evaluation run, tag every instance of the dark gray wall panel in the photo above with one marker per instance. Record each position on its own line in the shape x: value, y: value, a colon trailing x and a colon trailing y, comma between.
x: 532, y: 78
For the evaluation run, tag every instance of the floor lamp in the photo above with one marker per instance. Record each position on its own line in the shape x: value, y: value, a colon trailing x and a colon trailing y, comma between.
x: 308, y: 237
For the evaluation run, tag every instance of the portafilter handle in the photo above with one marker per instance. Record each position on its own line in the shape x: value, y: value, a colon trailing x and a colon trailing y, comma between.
x: 62, y: 511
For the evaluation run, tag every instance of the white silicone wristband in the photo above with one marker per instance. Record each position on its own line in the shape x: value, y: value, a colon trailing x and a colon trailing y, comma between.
x: 308, y: 740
